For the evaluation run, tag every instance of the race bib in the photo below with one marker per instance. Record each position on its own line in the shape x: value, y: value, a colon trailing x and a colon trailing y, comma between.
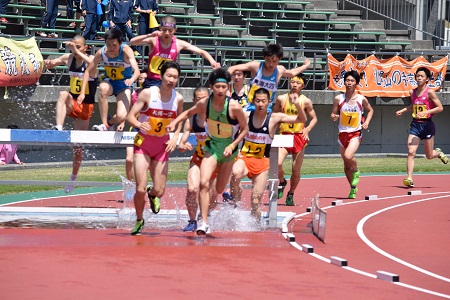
x: 417, y: 108
x: 115, y: 73
x: 253, y: 149
x: 75, y: 86
x: 156, y: 64
x: 158, y: 126
x: 350, y: 119
x: 219, y: 130
x: 138, y: 140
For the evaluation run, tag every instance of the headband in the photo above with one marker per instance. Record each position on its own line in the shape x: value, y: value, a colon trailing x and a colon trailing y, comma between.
x: 221, y: 80
x: 298, y: 78
x: 167, y: 24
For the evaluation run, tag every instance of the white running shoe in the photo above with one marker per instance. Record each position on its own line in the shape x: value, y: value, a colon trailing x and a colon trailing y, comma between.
x: 101, y: 127
x: 203, y: 229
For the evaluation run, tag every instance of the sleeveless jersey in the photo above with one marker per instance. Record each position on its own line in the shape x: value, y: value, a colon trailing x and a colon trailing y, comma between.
x: 159, y: 114
x: 219, y: 125
x: 159, y: 56
x: 116, y: 68
x: 350, y: 117
x: 261, y: 81
x: 200, y: 135
x: 290, y: 109
x: 243, y: 99
x: 257, y: 141
x: 76, y: 80
x: 421, y: 103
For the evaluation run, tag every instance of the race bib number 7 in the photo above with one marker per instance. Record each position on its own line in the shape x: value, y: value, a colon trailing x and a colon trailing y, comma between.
x: 350, y: 119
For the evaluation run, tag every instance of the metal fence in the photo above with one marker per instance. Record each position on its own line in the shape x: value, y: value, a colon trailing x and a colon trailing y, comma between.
x: 427, y: 19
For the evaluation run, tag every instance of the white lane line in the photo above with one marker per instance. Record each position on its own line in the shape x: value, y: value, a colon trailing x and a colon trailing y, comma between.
x: 360, y: 231
x: 422, y: 290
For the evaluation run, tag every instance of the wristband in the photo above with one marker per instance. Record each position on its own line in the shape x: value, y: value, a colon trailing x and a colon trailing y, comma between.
x: 231, y: 146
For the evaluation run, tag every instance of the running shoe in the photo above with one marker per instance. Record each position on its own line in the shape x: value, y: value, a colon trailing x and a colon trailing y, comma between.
x: 3, y: 20
x: 408, y: 182
x: 55, y: 127
x: 227, y: 197
x: 281, y: 189
x: 442, y: 156
x: 70, y: 187
x: 53, y: 35
x: 289, y: 200
x: 355, y: 178
x: 352, y: 194
x: 101, y: 127
x: 72, y: 25
x: 138, y: 226
x: 203, y: 229
x: 154, y: 201
x: 191, y: 226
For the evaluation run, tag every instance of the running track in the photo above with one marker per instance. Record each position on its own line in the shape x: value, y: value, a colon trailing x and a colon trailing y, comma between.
x: 401, y: 234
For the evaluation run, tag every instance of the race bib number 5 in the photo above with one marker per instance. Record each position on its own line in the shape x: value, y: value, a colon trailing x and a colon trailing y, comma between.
x: 75, y: 86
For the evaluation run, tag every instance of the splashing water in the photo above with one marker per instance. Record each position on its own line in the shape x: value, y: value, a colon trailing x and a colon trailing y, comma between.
x: 231, y: 218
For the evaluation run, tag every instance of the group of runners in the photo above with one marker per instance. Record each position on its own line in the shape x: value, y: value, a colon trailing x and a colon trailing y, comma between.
x: 234, y: 123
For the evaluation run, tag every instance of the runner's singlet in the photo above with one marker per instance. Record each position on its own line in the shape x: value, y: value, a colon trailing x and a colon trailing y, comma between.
x: 261, y: 81
x: 116, y: 68
x: 159, y: 56
x: 421, y: 103
x: 219, y: 125
x: 159, y: 114
x: 290, y: 109
x: 257, y: 141
x: 76, y: 80
x: 243, y: 99
x: 200, y: 135
x: 350, y: 117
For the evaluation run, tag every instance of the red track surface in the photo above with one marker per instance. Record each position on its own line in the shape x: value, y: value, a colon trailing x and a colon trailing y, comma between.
x: 98, y: 264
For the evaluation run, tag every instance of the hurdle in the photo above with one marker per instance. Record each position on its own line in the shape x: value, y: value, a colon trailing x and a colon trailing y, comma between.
x: 125, y: 139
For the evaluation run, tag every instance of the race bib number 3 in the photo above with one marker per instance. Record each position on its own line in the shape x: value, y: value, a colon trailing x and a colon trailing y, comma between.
x: 158, y: 126
x: 114, y: 73
x: 75, y: 86
x: 350, y: 119
x: 417, y: 108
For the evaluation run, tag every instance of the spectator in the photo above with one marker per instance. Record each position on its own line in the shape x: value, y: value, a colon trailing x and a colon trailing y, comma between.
x: 91, y: 18
x: 3, y: 5
x: 120, y: 17
x: 49, y: 17
x: 8, y: 151
x: 70, y: 14
x: 145, y: 8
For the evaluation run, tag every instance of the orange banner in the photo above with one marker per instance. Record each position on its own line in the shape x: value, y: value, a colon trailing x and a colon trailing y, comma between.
x: 392, y: 77
x: 21, y: 62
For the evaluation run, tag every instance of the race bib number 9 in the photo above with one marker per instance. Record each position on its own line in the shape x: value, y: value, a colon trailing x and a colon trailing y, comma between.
x: 158, y: 126
x: 156, y: 63
x: 350, y: 119
x: 219, y: 130
x: 253, y: 149
x: 114, y: 73
x: 417, y: 108
x: 75, y: 86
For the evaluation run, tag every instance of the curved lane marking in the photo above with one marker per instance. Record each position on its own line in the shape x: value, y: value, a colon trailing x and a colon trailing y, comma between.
x: 360, y: 231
